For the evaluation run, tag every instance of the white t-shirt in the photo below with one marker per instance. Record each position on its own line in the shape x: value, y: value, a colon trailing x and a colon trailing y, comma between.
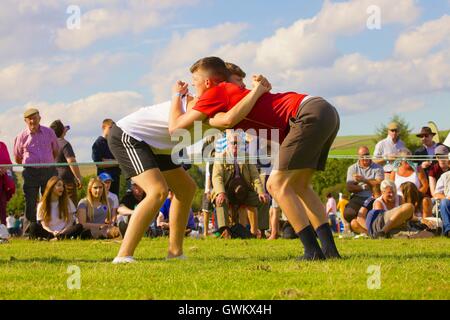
x: 55, y: 223
x: 114, y: 199
x: 151, y: 125
x: 10, y: 222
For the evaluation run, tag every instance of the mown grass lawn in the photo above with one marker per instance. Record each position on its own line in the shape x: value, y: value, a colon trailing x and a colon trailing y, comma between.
x: 220, y: 269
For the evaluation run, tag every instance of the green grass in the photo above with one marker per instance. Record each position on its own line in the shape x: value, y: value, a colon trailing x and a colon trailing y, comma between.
x: 220, y: 269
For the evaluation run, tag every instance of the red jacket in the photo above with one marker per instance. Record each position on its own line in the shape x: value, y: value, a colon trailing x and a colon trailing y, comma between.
x: 7, y: 186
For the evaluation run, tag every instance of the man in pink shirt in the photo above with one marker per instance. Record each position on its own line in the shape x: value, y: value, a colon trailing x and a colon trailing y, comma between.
x: 35, y: 145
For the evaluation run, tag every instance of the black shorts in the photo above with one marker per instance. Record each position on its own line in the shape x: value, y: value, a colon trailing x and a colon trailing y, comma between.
x: 135, y: 156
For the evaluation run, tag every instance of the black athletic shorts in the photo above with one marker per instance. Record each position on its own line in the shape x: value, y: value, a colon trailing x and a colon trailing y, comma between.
x: 135, y: 156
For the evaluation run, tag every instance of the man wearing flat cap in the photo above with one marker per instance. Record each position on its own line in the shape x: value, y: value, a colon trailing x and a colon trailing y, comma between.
x: 428, y: 147
x: 388, y: 148
x: 35, y: 145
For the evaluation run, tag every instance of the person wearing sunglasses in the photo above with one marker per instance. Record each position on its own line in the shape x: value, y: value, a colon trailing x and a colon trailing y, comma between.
x: 386, y: 149
x: 428, y: 148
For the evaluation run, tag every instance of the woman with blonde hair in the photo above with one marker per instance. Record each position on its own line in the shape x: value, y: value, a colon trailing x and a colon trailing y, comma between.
x: 95, y: 211
x: 55, y: 214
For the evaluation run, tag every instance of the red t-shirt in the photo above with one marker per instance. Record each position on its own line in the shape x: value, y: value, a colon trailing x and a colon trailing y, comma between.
x: 435, y: 171
x: 271, y: 111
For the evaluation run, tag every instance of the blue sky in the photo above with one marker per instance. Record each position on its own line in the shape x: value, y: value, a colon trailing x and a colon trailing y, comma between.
x: 127, y: 54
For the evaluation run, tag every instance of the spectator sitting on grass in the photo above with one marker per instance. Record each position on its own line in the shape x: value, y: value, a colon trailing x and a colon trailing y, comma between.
x: 359, y: 223
x: 69, y: 174
x: 442, y: 193
x: 126, y: 208
x: 55, y: 214
x: 409, y: 172
x: 163, y: 219
x: 412, y: 195
x: 94, y: 212
x: 108, y: 180
x: 439, y: 168
x: 11, y: 225
x: 390, y: 212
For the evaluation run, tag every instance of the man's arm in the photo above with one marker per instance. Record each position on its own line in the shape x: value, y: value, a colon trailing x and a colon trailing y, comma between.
x: 217, y: 178
x: 236, y: 114
x: 54, y: 143
x: 124, y: 210
x: 17, y: 150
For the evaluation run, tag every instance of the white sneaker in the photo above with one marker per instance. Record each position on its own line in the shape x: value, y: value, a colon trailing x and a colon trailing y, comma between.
x: 120, y: 260
x: 362, y: 235
x: 346, y: 235
x: 182, y: 257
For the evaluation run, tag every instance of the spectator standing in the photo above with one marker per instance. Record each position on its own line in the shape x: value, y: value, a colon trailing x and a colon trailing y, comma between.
x: 70, y: 175
x: 388, y: 148
x: 7, y: 187
x: 35, y: 145
x: 101, y: 153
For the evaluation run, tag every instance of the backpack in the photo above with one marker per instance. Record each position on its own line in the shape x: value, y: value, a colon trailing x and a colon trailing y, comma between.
x: 237, y: 190
x: 239, y: 231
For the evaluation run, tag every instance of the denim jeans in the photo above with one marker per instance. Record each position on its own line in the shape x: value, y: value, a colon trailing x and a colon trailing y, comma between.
x: 445, y: 214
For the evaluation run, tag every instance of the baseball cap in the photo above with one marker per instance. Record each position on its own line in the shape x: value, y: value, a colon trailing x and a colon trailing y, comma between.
x: 29, y: 112
x: 441, y: 150
x: 105, y: 177
x: 393, y: 126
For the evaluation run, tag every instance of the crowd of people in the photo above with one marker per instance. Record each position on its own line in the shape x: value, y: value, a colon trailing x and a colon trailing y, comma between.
x: 396, y: 191
x: 390, y: 192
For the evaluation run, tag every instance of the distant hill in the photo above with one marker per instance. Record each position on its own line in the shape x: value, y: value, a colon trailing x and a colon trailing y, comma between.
x: 348, y: 145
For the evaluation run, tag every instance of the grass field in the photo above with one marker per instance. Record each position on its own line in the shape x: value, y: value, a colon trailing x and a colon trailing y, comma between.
x: 220, y: 269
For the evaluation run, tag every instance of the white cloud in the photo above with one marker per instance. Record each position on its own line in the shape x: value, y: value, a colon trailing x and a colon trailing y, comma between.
x: 173, y: 62
x: 303, y: 57
x: 84, y: 116
x: 24, y: 81
x: 423, y: 39
x: 108, y: 21
x: 311, y: 42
